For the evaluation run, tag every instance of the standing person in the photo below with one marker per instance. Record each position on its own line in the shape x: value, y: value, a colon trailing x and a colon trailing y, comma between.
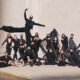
x: 35, y: 45
x: 73, y: 58
x: 9, y: 41
x: 49, y: 42
x: 15, y: 47
x: 64, y: 41
x: 55, y: 47
x: 64, y: 49
x: 72, y: 44
x: 54, y: 34
x: 21, y: 47
x: 29, y: 23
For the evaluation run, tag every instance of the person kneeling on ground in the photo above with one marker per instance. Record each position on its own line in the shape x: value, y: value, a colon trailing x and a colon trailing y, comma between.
x: 28, y: 56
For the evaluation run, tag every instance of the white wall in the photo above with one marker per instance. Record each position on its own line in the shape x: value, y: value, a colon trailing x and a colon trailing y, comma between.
x: 64, y: 15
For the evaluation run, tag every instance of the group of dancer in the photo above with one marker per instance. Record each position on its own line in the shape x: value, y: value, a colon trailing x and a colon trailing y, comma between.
x: 28, y: 49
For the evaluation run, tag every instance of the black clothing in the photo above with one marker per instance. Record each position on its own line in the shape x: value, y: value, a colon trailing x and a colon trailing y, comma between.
x: 28, y: 26
x: 21, y: 48
x: 36, y: 46
x: 65, y: 43
x: 72, y: 44
x: 53, y: 34
x: 5, y: 59
x: 74, y: 59
x: 12, y: 29
x: 9, y: 41
x: 30, y: 54
x: 50, y: 58
x: 48, y: 46
x: 16, y: 46
x: 55, y: 45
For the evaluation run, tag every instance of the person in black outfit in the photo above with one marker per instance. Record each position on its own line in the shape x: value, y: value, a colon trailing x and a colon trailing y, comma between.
x: 4, y: 60
x: 28, y: 26
x: 55, y: 47
x: 9, y: 41
x: 64, y: 41
x: 21, y: 47
x: 74, y: 57
x: 36, y: 44
x: 64, y: 49
x: 29, y: 55
x: 36, y: 40
x: 49, y: 42
x: 15, y: 47
x: 53, y: 34
x: 50, y: 57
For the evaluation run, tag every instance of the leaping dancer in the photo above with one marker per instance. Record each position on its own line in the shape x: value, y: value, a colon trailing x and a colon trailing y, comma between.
x: 29, y: 23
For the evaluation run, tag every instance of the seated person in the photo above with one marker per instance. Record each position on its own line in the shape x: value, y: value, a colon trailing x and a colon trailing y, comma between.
x: 6, y: 60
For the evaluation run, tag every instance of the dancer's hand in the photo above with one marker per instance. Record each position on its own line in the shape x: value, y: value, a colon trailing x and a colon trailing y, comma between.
x: 26, y: 9
x: 43, y: 25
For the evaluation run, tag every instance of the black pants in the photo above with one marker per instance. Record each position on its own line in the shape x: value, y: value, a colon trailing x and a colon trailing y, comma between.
x: 28, y: 37
x: 8, y: 49
x: 23, y: 29
x: 21, y: 52
x: 12, y: 29
x: 15, y: 53
x: 4, y: 65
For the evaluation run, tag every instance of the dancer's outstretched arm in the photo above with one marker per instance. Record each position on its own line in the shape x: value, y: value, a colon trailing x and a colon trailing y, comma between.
x: 25, y: 16
x: 38, y: 24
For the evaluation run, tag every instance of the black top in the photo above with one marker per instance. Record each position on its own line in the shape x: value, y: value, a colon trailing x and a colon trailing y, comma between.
x: 21, y: 43
x: 9, y: 41
x: 65, y: 42
x: 29, y: 23
x: 16, y: 42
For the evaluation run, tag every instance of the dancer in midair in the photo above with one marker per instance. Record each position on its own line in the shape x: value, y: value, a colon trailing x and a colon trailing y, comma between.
x: 29, y: 23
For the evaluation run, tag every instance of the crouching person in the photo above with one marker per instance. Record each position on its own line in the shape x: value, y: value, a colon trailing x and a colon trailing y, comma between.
x: 6, y: 60
x: 29, y: 56
x: 50, y: 57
